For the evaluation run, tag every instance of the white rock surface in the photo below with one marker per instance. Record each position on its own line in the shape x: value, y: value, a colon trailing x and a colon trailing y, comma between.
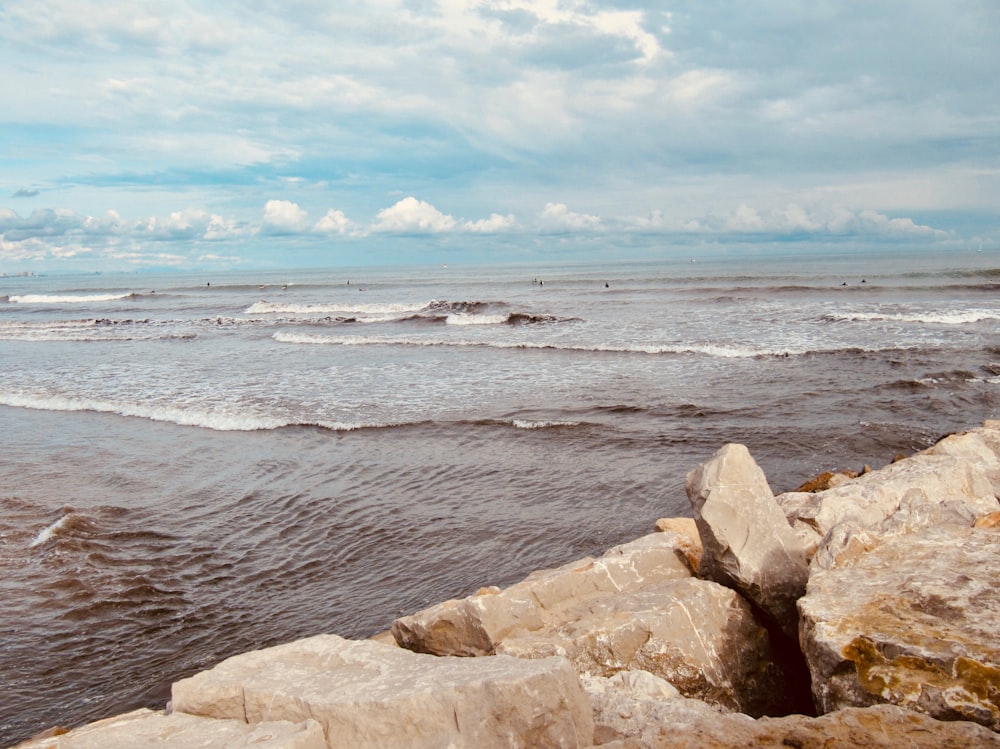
x: 476, y: 625
x: 367, y: 694
x: 748, y: 543
x: 698, y: 635
x: 148, y: 728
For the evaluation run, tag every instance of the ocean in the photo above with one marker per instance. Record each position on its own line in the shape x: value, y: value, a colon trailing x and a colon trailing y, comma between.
x: 196, y: 465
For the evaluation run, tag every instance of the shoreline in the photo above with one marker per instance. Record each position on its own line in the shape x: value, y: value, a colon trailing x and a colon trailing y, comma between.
x: 700, y: 632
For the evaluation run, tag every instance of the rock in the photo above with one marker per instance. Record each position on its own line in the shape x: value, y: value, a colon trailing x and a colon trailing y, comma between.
x: 700, y: 636
x: 146, y: 728
x: 748, y: 543
x: 921, y: 481
x: 636, y: 711
x: 640, y: 706
x: 476, y: 625
x: 686, y: 538
x: 829, y: 480
x: 366, y: 694
x: 979, y: 447
x: 912, y: 622
x: 988, y: 521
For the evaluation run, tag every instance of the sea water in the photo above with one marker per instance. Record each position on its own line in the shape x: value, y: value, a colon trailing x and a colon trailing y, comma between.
x: 197, y: 465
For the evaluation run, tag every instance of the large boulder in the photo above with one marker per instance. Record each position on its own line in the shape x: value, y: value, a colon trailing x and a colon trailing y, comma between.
x: 367, y: 694
x: 476, y: 625
x: 909, y: 488
x: 635, y: 710
x: 911, y: 621
x: 748, y: 543
x: 147, y: 728
x: 698, y: 635
x: 980, y: 447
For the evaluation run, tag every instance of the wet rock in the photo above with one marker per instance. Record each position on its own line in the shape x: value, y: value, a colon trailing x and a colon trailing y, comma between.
x: 913, y: 622
x: 147, y: 728
x: 476, y: 625
x: 700, y: 636
x: 748, y: 543
x: 366, y: 694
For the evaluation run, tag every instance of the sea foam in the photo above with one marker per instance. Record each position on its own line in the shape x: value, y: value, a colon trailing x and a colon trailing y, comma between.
x: 66, y: 298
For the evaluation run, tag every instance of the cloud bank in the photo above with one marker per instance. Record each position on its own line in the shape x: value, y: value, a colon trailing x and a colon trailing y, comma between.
x: 133, y: 127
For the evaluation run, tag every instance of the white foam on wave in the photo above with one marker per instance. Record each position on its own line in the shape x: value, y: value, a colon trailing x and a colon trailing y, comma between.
x: 65, y: 298
x: 956, y: 317
x: 728, y: 352
x: 461, y: 318
x: 532, y: 424
x: 271, y: 308
x: 217, y: 420
x: 49, y: 531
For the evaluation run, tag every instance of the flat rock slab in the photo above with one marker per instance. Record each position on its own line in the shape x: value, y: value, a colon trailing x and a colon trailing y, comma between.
x: 476, y: 625
x: 913, y: 622
x: 146, y: 728
x: 368, y: 694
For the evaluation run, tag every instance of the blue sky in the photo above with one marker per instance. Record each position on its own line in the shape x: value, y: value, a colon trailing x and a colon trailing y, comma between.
x: 190, y: 134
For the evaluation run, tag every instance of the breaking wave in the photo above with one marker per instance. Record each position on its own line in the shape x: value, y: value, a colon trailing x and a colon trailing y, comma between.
x: 68, y: 298
x: 957, y: 317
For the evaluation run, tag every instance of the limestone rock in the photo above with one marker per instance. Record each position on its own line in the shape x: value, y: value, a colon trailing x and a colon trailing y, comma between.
x: 640, y: 706
x: 686, y: 538
x: 477, y: 624
x: 913, y: 622
x: 980, y: 447
x: 988, y: 521
x: 923, y: 480
x: 748, y: 543
x: 366, y: 694
x: 146, y: 728
x: 700, y: 636
x: 633, y: 711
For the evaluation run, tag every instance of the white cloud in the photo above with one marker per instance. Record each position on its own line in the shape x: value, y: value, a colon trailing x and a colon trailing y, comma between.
x: 412, y: 215
x: 334, y: 222
x: 283, y: 216
x: 794, y: 219
x: 558, y: 216
x: 492, y: 225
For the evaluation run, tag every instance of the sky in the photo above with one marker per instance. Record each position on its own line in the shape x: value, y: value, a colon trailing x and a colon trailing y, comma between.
x: 215, y: 135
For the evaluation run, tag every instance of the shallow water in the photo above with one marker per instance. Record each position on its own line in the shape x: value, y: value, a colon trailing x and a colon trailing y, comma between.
x: 212, y: 466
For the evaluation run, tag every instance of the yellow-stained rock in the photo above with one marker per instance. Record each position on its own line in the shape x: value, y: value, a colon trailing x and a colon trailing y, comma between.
x: 912, y: 622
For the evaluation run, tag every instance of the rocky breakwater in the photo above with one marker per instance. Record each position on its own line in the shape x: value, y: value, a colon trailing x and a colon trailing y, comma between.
x: 860, y: 615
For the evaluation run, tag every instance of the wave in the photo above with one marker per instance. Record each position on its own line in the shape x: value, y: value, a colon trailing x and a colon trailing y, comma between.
x: 68, y: 298
x: 677, y: 349
x: 544, y: 424
x: 435, y: 311
x: 216, y: 420
x: 46, y: 534
x: 281, y: 308
x: 957, y: 317
x: 93, y: 330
